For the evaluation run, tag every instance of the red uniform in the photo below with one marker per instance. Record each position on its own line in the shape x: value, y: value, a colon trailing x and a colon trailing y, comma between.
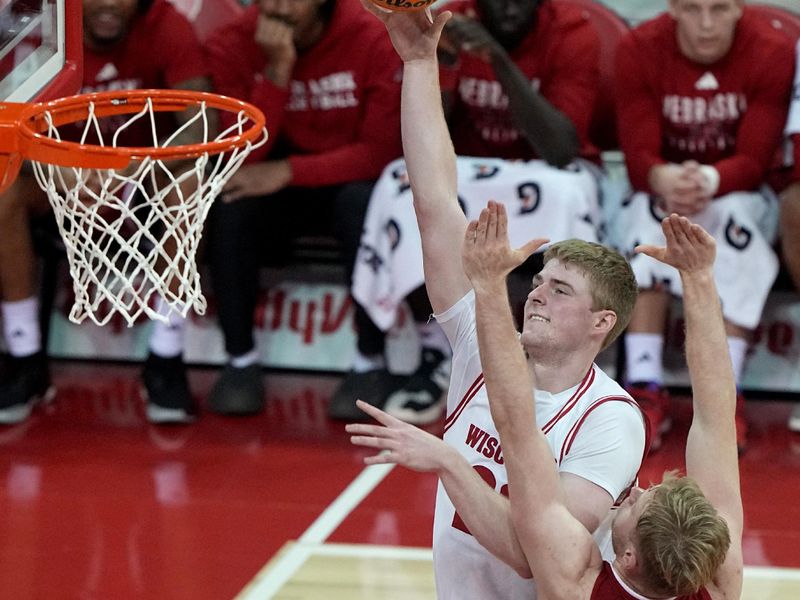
x: 729, y: 114
x: 160, y: 51
x: 338, y: 120
x: 608, y: 586
x: 560, y: 56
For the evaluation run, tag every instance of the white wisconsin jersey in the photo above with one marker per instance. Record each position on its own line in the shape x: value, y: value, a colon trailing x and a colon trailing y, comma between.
x: 595, y: 431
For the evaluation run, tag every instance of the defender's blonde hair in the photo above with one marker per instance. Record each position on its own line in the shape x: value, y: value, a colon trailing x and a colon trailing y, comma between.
x: 680, y: 537
x: 611, y: 281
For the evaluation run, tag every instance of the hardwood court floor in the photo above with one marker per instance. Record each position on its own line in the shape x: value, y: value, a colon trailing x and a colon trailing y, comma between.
x: 96, y: 503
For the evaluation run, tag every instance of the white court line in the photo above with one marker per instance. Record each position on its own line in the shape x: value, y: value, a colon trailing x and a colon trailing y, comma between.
x: 774, y: 573
x: 409, y: 553
x: 370, y: 551
x: 275, y: 574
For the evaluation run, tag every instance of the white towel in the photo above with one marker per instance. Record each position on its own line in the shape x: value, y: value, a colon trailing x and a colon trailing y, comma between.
x: 541, y: 201
x: 743, y: 224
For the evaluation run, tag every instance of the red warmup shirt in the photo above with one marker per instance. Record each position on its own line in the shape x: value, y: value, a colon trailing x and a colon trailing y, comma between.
x: 729, y: 115
x: 607, y: 587
x: 339, y: 119
x: 560, y: 57
x: 160, y: 51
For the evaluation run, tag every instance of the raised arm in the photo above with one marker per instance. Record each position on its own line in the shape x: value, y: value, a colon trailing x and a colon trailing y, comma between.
x: 428, y: 151
x: 560, y: 551
x: 486, y: 513
x: 711, y: 456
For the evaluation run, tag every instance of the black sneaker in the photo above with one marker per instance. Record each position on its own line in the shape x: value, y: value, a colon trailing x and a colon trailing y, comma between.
x: 373, y: 387
x: 166, y: 390
x: 25, y: 382
x: 238, y: 391
x: 421, y: 399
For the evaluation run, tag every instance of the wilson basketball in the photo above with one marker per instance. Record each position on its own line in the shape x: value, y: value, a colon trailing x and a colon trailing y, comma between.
x: 403, y: 5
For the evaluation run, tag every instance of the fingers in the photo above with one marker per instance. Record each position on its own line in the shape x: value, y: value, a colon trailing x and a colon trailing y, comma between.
x: 383, y: 458
x: 471, y: 233
x: 677, y: 230
x: 491, y: 221
x: 656, y: 252
x: 669, y: 231
x: 483, y: 225
x: 440, y: 21
x: 701, y: 236
x: 366, y: 429
x: 377, y: 413
x: 682, y: 227
x: 496, y: 221
x: 371, y: 442
x: 529, y: 248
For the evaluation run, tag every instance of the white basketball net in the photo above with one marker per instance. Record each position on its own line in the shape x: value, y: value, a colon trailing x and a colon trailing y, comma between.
x: 132, y: 236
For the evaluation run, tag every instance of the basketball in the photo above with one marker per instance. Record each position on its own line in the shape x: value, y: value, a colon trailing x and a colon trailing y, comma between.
x: 403, y: 5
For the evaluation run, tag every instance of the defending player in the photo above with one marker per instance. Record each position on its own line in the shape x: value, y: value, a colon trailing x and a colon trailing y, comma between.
x: 681, y: 538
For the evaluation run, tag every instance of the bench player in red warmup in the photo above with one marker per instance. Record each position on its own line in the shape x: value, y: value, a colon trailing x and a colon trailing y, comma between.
x: 700, y: 119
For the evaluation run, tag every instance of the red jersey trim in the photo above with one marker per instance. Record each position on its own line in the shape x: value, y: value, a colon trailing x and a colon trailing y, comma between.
x: 583, y: 387
x: 468, y: 396
x: 573, y: 433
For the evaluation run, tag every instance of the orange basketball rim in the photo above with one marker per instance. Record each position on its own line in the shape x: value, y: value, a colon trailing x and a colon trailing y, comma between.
x: 24, y: 129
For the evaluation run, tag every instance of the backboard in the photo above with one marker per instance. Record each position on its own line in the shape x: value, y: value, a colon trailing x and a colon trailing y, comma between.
x: 41, y: 48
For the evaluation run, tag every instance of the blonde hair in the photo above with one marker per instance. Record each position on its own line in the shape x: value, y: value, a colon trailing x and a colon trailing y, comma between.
x: 611, y: 280
x: 680, y: 538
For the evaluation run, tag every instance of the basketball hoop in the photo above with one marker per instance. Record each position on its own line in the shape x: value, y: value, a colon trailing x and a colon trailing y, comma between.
x: 131, y: 217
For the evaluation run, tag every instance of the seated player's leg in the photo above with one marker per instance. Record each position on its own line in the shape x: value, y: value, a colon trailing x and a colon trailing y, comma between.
x: 26, y: 380
x: 235, y: 256
x: 166, y: 385
x: 644, y: 347
x: 790, y: 243
x: 369, y: 378
x: 422, y: 397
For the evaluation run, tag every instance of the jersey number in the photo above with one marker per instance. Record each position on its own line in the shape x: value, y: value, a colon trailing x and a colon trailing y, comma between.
x: 490, y: 480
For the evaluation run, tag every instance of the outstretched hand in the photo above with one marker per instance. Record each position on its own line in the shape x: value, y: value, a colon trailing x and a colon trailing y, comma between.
x: 690, y: 248
x: 414, y: 34
x: 485, y: 254
x: 399, y: 443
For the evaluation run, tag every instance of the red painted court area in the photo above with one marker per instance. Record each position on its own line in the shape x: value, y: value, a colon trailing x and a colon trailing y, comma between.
x: 96, y: 503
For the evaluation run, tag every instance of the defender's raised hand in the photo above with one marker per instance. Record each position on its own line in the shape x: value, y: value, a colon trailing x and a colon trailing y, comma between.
x: 690, y: 248
x: 485, y: 254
